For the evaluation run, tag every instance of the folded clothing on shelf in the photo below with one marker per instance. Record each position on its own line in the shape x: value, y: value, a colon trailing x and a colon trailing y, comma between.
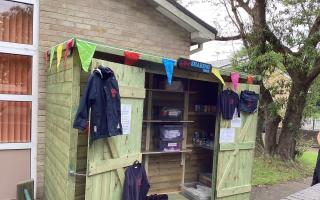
x: 171, y: 132
x: 168, y: 145
x: 168, y: 113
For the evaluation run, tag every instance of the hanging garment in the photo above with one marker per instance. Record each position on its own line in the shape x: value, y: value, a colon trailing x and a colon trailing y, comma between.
x: 248, y: 101
x: 136, y: 184
x: 316, y: 174
x: 102, y: 96
x: 228, y: 102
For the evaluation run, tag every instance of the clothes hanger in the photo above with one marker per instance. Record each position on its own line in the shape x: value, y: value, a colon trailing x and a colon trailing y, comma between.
x: 136, y: 163
x: 99, y: 70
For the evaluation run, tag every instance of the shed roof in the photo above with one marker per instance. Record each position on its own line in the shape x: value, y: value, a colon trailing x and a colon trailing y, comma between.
x: 200, y: 31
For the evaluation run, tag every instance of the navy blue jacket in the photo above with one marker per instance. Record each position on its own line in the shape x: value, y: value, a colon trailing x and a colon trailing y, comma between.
x: 102, y: 96
x: 228, y: 103
x: 136, y: 184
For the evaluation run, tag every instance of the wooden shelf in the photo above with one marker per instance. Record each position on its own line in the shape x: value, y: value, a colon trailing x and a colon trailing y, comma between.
x: 165, y: 152
x: 164, y: 121
x: 203, y: 113
x: 163, y: 90
x: 200, y: 146
x: 170, y: 91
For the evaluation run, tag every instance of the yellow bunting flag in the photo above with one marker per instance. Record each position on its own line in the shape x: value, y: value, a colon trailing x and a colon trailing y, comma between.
x: 216, y: 72
x: 59, y: 54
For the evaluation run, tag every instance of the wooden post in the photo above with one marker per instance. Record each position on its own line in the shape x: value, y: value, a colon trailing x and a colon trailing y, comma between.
x: 21, y: 187
x: 185, y: 131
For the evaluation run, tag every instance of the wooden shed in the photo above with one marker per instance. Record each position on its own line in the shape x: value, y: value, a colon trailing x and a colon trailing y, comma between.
x: 77, y: 168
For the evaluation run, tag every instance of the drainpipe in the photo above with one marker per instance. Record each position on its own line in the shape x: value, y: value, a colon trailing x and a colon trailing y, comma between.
x: 198, y: 49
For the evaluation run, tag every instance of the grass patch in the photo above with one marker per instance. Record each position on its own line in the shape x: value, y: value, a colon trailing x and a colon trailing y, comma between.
x: 268, y: 171
x: 308, y: 158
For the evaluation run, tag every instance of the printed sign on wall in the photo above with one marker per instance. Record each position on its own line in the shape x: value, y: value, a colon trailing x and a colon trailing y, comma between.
x: 227, y: 135
x: 126, y: 118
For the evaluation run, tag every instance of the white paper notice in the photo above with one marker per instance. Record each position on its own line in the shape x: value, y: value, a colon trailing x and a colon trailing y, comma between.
x: 236, y: 121
x: 227, y: 135
x: 126, y: 118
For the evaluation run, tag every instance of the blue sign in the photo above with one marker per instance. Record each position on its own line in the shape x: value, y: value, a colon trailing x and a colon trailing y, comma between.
x: 193, y: 65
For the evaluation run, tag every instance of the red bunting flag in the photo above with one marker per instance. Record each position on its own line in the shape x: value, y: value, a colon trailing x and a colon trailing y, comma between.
x: 46, y: 57
x: 69, y: 45
x: 130, y: 58
x: 250, y: 79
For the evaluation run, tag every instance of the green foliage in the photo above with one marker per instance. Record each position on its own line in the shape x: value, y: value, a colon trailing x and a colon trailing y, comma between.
x: 266, y: 65
x: 268, y: 171
x: 312, y: 110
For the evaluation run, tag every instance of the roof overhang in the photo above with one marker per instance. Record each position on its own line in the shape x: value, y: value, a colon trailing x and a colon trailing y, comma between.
x: 200, y: 31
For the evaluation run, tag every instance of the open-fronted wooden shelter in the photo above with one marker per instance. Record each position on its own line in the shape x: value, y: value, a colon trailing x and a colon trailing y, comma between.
x: 78, y: 169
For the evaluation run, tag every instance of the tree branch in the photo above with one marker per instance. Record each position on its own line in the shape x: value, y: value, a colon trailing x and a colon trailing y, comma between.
x: 240, y: 23
x: 221, y: 38
x: 314, y: 72
x: 276, y: 42
x: 314, y: 35
x: 245, y: 6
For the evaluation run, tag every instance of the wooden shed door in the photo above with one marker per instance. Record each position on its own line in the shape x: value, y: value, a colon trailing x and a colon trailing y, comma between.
x: 235, y: 159
x: 108, y: 158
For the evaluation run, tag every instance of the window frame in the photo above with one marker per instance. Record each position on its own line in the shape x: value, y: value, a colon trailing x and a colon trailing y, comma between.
x: 33, y: 51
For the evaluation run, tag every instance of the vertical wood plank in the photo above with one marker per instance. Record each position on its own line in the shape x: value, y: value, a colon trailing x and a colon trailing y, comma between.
x: 185, y: 131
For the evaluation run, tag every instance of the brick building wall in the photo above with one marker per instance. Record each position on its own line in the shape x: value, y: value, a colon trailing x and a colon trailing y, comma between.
x: 125, y: 23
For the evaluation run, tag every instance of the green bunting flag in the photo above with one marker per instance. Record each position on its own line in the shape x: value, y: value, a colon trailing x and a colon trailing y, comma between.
x: 51, y: 56
x: 86, y: 51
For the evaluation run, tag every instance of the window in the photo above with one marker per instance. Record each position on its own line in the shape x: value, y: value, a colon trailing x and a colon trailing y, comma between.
x: 16, y: 22
x: 15, y: 74
x: 19, y: 34
x: 15, y: 122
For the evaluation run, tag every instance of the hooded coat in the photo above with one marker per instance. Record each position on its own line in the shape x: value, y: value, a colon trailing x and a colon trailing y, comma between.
x: 102, y: 96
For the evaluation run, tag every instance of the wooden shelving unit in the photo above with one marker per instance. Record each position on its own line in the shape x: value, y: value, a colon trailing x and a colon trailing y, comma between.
x: 180, y: 163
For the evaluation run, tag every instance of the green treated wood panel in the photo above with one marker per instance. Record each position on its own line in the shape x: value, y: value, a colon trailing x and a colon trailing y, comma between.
x: 58, y: 127
x: 108, y: 185
x: 235, y: 160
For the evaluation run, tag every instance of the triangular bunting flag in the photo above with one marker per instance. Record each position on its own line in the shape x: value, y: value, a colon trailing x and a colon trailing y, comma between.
x: 130, y: 58
x: 59, y: 54
x: 51, y: 56
x: 169, y: 67
x: 250, y: 79
x: 235, y: 80
x: 69, y: 45
x: 216, y: 72
x: 86, y: 51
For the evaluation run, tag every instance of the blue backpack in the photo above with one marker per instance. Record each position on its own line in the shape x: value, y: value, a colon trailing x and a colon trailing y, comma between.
x: 248, y: 101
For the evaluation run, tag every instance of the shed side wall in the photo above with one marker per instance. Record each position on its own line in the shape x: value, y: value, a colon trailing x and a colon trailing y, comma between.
x: 127, y: 23
x: 58, y: 127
